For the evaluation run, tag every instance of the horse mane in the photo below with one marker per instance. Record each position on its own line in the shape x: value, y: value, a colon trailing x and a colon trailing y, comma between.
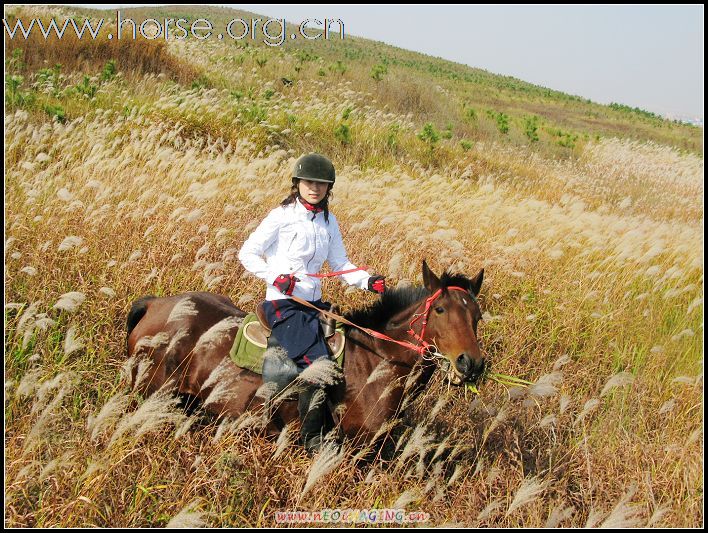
x: 375, y: 316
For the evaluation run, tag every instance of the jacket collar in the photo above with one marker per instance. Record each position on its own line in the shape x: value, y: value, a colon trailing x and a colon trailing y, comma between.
x: 301, y: 210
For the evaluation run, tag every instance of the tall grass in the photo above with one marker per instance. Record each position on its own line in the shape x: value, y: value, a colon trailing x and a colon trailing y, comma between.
x: 593, y: 291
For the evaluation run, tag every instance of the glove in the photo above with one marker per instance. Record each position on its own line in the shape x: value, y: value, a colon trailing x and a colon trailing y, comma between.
x: 377, y: 284
x: 285, y: 283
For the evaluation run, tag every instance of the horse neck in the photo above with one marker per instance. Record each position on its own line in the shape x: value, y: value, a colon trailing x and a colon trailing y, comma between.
x: 399, y: 333
x: 375, y: 351
x: 358, y: 393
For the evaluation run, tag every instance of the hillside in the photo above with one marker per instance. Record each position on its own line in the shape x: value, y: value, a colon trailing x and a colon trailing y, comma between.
x: 471, y: 104
x: 137, y: 168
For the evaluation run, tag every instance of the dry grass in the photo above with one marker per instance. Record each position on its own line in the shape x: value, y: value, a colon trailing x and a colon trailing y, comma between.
x: 593, y: 291
x: 134, y: 57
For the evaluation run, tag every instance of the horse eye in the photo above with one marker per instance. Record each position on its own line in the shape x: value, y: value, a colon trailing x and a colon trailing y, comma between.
x: 439, y: 310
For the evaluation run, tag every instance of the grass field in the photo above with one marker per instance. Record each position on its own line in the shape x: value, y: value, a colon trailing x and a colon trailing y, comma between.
x: 147, y: 182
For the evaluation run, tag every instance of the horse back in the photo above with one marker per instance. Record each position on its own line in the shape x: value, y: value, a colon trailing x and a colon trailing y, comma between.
x: 168, y: 329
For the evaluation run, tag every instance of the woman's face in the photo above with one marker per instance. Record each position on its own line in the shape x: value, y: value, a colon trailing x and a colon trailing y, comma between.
x: 312, y: 191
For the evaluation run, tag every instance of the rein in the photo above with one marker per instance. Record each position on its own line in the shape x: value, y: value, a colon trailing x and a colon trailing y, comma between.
x: 421, y: 348
x: 339, y: 273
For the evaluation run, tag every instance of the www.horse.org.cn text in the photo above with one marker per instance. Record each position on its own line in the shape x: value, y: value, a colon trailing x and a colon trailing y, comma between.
x: 274, y: 31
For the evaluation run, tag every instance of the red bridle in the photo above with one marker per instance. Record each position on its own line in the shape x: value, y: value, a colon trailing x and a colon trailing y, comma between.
x: 421, y: 348
x: 426, y: 313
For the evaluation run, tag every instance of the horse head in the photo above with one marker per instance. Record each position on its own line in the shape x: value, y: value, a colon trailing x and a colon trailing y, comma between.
x: 453, y: 315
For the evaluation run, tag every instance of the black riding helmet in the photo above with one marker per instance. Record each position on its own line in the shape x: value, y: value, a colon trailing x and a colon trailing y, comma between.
x: 314, y: 167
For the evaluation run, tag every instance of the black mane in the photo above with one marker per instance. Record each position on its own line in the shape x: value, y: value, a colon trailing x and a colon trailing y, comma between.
x: 393, y: 301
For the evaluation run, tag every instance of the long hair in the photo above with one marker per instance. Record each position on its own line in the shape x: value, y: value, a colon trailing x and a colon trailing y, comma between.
x: 295, y: 194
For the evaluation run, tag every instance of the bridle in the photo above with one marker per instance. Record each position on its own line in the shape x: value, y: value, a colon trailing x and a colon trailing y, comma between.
x: 423, y: 348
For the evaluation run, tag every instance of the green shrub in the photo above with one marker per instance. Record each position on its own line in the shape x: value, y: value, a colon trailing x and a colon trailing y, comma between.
x: 378, y: 71
x: 503, y: 123
x: 447, y: 132
x: 353, y: 54
x: 633, y: 110
x: 56, y: 111
x: 304, y: 55
x: 201, y: 82
x: 565, y: 139
x: 343, y: 134
x: 14, y: 62
x: 568, y: 140
x: 49, y: 80
x: 109, y: 71
x: 338, y: 67
x: 392, y: 138
x: 13, y: 96
x: 253, y: 113
x: 12, y: 89
x: 86, y: 88
x: 531, y: 128
x: 429, y: 135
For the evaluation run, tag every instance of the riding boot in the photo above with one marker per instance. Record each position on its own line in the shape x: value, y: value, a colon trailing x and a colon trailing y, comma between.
x: 278, y: 370
x: 312, y: 406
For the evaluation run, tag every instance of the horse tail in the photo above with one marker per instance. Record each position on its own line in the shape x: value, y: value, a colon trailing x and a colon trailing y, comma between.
x: 136, y: 313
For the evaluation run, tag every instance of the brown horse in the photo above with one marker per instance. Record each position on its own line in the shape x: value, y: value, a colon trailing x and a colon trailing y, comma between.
x: 185, y: 339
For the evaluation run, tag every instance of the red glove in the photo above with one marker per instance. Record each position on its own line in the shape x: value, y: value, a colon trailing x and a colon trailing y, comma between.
x: 285, y: 283
x: 377, y: 284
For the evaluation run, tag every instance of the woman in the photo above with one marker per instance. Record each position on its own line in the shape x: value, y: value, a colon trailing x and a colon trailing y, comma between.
x: 293, y: 241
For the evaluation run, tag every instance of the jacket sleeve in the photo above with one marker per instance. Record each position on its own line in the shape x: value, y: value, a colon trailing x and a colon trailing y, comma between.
x: 337, y: 258
x: 253, y: 250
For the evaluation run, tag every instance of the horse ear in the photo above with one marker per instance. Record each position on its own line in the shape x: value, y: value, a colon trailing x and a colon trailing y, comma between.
x: 476, y: 282
x: 430, y: 280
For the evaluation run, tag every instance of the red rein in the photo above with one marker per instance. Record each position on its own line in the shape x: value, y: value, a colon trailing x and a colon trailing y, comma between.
x: 332, y: 274
x: 420, y: 348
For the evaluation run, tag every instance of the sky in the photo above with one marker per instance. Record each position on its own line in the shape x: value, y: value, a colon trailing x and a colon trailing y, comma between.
x: 646, y: 56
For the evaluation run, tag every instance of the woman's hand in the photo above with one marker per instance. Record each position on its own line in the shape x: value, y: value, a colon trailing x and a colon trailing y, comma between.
x: 377, y: 284
x: 285, y: 283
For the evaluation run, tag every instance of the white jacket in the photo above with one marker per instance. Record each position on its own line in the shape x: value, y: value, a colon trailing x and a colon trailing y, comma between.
x: 292, y: 242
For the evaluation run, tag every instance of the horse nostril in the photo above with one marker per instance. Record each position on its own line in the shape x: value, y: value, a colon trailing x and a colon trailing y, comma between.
x: 463, y: 364
x: 470, y: 367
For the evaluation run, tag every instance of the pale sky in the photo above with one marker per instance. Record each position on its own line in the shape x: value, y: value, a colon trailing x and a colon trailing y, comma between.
x: 648, y: 56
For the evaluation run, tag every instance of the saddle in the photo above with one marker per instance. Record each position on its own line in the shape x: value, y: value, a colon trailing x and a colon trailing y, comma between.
x: 252, y: 340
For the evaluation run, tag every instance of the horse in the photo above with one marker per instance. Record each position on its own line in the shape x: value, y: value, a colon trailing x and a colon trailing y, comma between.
x: 186, y: 339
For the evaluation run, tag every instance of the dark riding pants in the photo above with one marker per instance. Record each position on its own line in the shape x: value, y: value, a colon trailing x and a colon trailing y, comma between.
x: 297, y: 329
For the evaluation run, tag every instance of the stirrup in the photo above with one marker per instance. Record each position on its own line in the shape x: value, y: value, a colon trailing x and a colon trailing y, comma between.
x: 329, y: 325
